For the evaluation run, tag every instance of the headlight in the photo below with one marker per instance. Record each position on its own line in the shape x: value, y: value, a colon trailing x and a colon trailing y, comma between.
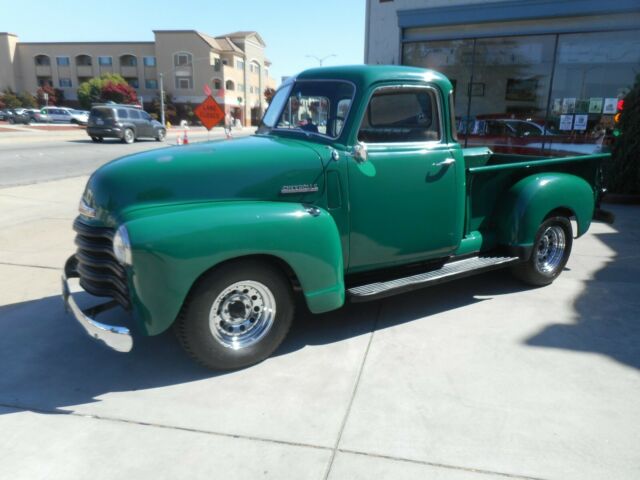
x: 122, y: 246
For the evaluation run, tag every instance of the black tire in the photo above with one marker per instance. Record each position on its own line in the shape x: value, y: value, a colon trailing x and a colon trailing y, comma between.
x: 161, y: 134
x: 94, y: 139
x: 128, y: 136
x: 549, y: 255
x: 100, y: 139
x: 12, y: 120
x: 195, y: 330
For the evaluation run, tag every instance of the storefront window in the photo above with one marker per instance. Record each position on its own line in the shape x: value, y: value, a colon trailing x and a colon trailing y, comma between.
x: 511, y: 97
x: 453, y: 59
x: 593, y: 71
x: 509, y: 93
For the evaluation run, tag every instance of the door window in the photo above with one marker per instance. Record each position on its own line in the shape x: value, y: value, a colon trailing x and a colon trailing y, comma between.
x: 400, y: 115
x: 135, y: 114
x: 123, y: 113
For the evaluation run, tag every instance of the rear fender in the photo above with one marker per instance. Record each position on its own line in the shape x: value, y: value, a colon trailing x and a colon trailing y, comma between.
x: 173, y: 248
x: 526, y: 204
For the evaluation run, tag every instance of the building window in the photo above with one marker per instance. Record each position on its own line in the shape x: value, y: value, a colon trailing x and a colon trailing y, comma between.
x: 229, y: 85
x: 182, y: 59
x: 216, y: 64
x: 128, y: 61
x: 64, y: 82
x: 44, y: 81
x: 105, y: 61
x: 82, y: 80
x: 42, y: 61
x: 519, y: 102
x: 149, y: 61
x: 217, y: 84
x: 254, y: 67
x: 83, y: 61
x: 151, y: 84
x: 240, y: 64
x: 225, y: 61
x: 184, y: 83
x: 63, y: 61
x: 133, y: 82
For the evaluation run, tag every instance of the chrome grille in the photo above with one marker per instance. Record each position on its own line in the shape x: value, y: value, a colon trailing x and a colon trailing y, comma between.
x: 99, y: 271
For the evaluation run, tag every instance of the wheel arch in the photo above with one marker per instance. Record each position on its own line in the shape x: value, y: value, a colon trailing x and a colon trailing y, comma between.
x: 304, y: 246
x: 537, y: 197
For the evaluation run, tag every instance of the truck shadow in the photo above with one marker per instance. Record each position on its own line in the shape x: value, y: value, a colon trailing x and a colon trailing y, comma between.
x: 48, y: 363
x: 607, y: 310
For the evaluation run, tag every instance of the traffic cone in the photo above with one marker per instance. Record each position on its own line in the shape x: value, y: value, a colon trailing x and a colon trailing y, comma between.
x: 178, y: 140
x: 185, y: 139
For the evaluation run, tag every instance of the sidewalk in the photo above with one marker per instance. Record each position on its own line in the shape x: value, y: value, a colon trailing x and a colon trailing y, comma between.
x: 475, y: 380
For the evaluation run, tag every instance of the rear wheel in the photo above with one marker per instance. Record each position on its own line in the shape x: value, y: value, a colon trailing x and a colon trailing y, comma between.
x: 161, y: 134
x: 236, y: 316
x: 95, y: 139
x: 128, y: 136
x: 551, y: 250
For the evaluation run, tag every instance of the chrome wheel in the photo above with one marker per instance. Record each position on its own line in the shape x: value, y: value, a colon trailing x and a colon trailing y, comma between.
x: 242, y: 314
x: 550, y: 250
x: 128, y: 136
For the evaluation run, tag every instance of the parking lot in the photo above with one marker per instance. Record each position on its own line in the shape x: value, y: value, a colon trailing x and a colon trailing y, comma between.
x: 482, y: 378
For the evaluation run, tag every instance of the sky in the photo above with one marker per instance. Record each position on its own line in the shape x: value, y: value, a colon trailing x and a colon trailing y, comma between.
x: 291, y: 29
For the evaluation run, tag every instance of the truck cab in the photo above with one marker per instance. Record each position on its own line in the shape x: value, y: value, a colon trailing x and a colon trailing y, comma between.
x: 353, y: 188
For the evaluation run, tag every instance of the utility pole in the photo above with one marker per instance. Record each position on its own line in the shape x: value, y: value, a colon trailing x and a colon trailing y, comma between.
x: 321, y: 59
x: 161, y: 101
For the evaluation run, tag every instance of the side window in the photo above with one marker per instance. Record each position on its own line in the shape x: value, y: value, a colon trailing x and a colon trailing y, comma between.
x: 399, y: 115
x: 134, y: 114
x: 122, y: 113
x: 145, y: 115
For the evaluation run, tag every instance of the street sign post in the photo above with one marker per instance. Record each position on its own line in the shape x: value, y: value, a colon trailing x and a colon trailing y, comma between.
x: 209, y: 112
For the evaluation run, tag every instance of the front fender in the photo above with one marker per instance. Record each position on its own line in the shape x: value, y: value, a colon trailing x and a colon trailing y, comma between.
x: 526, y: 204
x: 173, y: 247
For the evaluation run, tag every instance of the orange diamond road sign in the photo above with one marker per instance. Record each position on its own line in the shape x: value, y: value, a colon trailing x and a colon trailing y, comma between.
x: 209, y: 112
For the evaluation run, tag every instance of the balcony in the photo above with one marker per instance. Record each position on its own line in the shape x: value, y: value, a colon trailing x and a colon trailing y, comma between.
x: 43, y: 70
x: 84, y: 71
x: 128, y: 71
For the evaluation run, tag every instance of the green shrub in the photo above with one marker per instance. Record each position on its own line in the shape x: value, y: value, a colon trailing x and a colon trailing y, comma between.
x: 624, y: 172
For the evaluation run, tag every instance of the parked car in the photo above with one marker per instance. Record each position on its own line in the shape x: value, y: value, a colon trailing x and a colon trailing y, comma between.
x: 4, y: 114
x: 37, y: 115
x: 19, y: 115
x: 218, y: 239
x: 126, y: 122
x: 65, y: 115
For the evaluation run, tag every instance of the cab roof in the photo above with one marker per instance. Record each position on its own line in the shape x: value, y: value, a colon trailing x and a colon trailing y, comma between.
x: 365, y: 75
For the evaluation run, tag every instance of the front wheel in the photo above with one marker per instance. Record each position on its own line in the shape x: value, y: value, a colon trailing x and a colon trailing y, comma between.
x: 236, y: 316
x: 551, y: 250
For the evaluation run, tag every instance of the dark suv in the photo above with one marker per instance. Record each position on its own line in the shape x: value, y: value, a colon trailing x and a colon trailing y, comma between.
x: 126, y: 122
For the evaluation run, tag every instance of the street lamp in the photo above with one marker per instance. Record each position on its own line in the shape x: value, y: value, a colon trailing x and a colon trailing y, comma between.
x: 321, y: 59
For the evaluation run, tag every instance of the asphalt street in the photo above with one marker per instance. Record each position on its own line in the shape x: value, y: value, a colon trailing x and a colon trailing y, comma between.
x: 43, y: 156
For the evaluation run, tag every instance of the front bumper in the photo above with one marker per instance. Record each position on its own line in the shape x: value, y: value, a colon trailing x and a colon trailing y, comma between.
x: 116, y: 337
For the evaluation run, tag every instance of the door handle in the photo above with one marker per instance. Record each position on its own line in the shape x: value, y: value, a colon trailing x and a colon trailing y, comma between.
x: 445, y: 163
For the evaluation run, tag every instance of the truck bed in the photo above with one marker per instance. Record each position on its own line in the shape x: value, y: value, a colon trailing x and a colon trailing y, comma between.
x: 490, y: 175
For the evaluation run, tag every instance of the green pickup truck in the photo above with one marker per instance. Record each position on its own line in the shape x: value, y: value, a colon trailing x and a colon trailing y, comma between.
x: 353, y: 188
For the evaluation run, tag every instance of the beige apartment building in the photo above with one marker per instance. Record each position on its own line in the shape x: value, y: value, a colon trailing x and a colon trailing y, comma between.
x: 233, y: 65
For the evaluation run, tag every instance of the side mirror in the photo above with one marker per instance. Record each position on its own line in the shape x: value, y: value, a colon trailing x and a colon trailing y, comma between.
x: 359, y: 152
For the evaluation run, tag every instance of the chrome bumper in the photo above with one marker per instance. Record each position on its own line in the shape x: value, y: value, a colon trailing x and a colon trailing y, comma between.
x: 117, y: 338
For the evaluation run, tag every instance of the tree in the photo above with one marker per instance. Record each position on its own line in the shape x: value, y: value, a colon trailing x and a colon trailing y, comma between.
x: 27, y: 100
x: 624, y: 172
x: 108, y: 86
x: 118, y: 93
x: 10, y: 99
x: 268, y: 94
x: 56, y: 96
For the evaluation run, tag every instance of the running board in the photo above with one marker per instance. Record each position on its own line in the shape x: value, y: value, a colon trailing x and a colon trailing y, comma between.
x: 449, y: 271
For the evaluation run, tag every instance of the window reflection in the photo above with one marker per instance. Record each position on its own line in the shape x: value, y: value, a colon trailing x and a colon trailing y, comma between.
x: 511, y: 97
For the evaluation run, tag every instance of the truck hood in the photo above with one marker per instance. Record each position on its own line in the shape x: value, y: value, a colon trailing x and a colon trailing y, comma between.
x: 251, y: 168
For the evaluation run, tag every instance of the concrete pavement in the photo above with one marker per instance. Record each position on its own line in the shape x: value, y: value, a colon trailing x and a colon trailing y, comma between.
x: 478, y: 379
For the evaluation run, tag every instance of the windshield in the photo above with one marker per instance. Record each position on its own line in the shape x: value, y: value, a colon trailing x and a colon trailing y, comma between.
x: 310, y: 106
